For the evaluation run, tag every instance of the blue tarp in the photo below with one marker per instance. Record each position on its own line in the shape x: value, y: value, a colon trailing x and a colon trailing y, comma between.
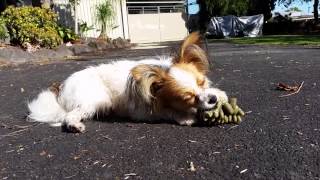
x: 233, y: 26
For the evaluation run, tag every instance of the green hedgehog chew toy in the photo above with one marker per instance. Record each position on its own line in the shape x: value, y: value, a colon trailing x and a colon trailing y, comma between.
x: 222, y: 113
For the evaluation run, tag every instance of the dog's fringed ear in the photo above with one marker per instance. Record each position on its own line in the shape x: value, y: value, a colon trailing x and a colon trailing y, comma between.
x: 191, y: 52
x: 148, y: 80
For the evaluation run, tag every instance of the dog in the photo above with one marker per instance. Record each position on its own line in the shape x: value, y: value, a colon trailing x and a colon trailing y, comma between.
x: 171, y: 88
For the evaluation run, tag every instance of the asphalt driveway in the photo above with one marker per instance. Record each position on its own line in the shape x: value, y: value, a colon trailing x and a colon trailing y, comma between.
x: 278, y: 139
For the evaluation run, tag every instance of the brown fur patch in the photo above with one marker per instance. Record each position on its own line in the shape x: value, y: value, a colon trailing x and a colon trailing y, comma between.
x: 55, y: 88
x: 193, y: 38
x: 191, y: 52
x: 173, y: 96
x: 149, y: 78
x: 162, y: 91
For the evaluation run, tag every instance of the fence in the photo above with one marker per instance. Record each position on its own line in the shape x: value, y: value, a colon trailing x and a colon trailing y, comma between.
x: 156, y: 21
x: 86, y: 13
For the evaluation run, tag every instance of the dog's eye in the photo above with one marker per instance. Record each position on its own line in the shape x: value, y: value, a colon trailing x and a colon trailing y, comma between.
x: 188, y: 96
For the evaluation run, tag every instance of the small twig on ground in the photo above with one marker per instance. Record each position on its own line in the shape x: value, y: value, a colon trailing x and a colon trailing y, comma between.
x: 192, y: 141
x: 243, y: 171
x: 248, y: 112
x: 21, y: 129
x: 232, y: 127
x: 295, y: 89
x: 107, y: 137
x: 127, y: 176
x: 68, y: 177
x: 13, y: 133
x: 216, y: 152
x: 14, y: 126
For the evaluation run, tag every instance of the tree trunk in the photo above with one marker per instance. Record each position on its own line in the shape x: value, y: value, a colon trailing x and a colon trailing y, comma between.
x: 3, y: 5
x: 76, y: 28
x: 36, y: 3
x: 315, y: 11
x: 103, y: 33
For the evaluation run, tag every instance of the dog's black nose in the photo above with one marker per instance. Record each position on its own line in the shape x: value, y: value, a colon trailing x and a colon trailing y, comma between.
x: 212, y: 100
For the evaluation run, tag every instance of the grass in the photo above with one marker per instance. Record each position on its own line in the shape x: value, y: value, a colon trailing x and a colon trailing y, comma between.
x: 274, y: 40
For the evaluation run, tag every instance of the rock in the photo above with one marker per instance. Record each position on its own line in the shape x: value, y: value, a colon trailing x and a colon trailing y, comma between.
x: 45, y: 54
x: 110, y: 46
x: 64, y: 51
x: 81, y: 49
x: 121, y: 43
x: 16, y: 55
x: 5, y: 41
x: 11, y: 54
x: 50, y: 54
x: 99, y: 44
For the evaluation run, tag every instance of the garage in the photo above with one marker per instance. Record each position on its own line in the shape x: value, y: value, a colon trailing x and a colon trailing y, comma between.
x: 156, y: 21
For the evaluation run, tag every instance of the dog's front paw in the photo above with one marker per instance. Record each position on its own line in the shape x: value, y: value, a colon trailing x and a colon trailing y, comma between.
x: 77, y: 127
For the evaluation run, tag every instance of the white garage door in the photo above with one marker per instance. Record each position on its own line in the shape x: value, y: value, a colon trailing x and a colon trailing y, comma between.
x: 156, y: 23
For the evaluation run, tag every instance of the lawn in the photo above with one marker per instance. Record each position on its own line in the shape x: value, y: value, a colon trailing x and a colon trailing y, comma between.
x: 274, y: 40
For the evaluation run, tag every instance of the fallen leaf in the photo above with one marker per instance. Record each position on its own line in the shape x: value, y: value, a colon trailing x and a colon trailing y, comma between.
x: 43, y: 153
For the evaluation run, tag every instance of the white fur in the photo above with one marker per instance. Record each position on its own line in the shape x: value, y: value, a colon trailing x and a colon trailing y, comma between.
x: 184, y: 78
x: 104, y: 88
x: 45, y: 108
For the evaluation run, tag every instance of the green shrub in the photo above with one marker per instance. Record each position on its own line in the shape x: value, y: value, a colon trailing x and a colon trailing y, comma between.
x: 84, y: 28
x: 3, y: 30
x: 104, y: 14
x: 33, y: 25
x: 67, y: 34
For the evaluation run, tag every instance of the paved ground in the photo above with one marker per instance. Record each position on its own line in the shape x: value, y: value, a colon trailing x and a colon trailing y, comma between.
x: 279, y: 139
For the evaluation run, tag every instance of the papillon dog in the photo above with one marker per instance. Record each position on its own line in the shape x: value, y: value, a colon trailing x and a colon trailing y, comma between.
x: 169, y: 88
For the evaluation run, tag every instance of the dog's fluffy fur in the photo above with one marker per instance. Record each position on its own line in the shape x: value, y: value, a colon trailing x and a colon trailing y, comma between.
x: 152, y: 89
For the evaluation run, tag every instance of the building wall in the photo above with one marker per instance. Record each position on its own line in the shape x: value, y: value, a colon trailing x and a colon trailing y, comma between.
x: 156, y: 26
x: 86, y: 12
x: 160, y: 27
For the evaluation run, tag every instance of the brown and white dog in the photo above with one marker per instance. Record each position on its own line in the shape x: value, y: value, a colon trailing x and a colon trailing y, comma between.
x: 172, y: 88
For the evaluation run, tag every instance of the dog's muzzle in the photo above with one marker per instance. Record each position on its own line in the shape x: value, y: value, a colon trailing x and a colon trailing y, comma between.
x: 206, y: 100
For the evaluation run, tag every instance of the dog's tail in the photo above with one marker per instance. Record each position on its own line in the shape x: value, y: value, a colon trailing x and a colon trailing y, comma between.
x: 45, y: 108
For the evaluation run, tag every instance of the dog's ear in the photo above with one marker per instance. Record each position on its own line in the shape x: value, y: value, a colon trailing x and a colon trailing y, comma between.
x: 149, y: 80
x: 191, y: 52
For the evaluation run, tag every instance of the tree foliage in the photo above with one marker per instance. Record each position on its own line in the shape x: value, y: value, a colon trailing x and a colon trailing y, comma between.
x: 226, y: 7
x: 264, y: 7
x: 239, y: 7
x: 103, y: 15
x: 294, y: 9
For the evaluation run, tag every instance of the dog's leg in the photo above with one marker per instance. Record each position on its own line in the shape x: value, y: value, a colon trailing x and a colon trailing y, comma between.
x: 73, y: 119
x: 82, y: 96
